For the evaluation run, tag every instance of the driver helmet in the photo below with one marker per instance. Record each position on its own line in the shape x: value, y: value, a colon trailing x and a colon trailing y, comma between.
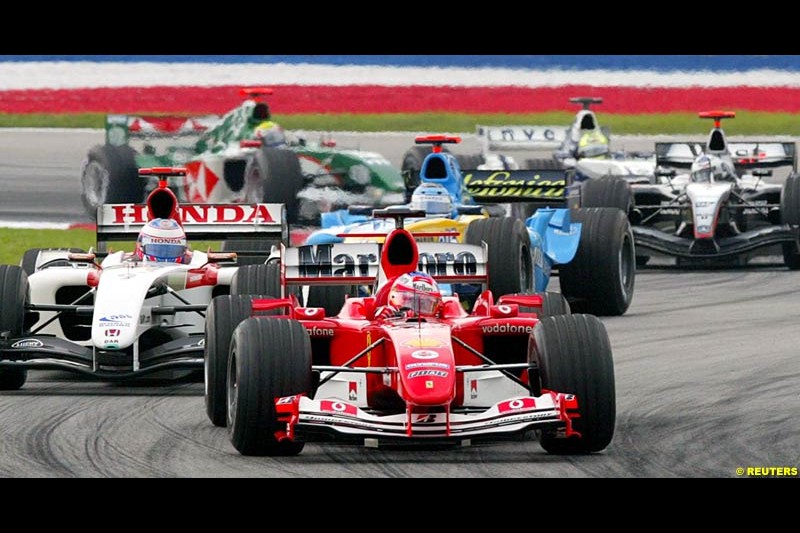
x: 162, y: 240
x: 417, y: 292
x: 593, y: 144
x: 708, y: 168
x: 433, y: 198
x: 270, y: 134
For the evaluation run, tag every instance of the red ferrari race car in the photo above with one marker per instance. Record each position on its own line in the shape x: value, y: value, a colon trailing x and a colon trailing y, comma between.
x: 279, y: 375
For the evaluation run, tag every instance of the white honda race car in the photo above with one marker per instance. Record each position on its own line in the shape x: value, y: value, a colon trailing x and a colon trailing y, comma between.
x: 113, y: 315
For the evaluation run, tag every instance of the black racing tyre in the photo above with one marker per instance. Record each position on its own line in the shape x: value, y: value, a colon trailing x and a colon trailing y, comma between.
x: 110, y: 176
x: 250, y: 245
x: 412, y: 163
x: 269, y: 358
x: 510, y: 264
x: 257, y: 279
x: 608, y: 191
x: 274, y: 176
x: 224, y: 313
x: 331, y: 298
x: 543, y: 164
x: 14, y: 294
x: 574, y: 356
x: 600, y: 278
x: 790, y: 214
x: 469, y: 161
x: 28, y: 262
x: 553, y: 303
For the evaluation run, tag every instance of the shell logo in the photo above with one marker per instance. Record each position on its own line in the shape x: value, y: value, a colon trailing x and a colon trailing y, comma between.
x: 424, y: 342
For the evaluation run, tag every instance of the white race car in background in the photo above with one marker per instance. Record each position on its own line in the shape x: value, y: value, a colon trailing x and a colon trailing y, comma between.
x: 123, y: 317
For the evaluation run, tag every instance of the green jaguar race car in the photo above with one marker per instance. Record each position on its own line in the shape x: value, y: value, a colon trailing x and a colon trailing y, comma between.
x: 240, y: 157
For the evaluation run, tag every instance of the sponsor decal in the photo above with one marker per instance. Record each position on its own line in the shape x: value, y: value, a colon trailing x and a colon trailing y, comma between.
x: 429, y: 418
x: 506, y: 329
x: 473, y: 388
x: 197, y: 214
x: 115, y: 321
x: 428, y: 373
x: 145, y: 319
x: 319, y: 261
x: 519, y: 184
x: 315, y: 331
x: 429, y: 384
x: 112, y: 333
x: 28, y: 343
x: 505, y: 309
x: 516, y: 405
x: 424, y: 342
x: 333, y: 406
x: 448, y: 263
x: 424, y: 354
x: 352, y: 394
x: 430, y: 364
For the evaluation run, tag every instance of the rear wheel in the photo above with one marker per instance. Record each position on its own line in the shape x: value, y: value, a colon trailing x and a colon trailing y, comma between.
x: 274, y: 176
x: 250, y: 245
x: 110, y: 176
x: 600, y: 278
x: 14, y: 290
x: 553, y: 303
x: 510, y: 265
x: 30, y: 256
x: 269, y: 359
x: 574, y: 356
x: 608, y: 191
x: 331, y: 298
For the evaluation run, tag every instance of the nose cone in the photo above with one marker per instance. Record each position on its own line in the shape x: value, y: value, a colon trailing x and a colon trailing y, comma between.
x: 426, y: 364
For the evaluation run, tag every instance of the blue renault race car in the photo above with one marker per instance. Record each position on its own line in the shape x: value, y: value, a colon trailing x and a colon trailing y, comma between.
x: 590, y: 249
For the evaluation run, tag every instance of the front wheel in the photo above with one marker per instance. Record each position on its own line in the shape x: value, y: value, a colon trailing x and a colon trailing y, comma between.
x: 14, y: 290
x: 269, y: 359
x: 574, y: 356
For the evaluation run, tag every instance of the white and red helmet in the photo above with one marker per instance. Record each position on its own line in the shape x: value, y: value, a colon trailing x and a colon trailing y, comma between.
x: 417, y: 292
x: 162, y: 240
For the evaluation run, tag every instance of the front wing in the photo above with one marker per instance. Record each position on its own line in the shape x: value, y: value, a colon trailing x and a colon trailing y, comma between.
x: 45, y: 352
x: 650, y: 238
x: 334, y: 419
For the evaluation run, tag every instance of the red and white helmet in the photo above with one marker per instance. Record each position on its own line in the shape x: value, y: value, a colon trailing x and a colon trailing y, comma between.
x: 417, y: 292
x: 162, y: 240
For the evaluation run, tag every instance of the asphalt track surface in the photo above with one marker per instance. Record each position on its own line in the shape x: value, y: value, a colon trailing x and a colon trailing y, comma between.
x: 707, y: 376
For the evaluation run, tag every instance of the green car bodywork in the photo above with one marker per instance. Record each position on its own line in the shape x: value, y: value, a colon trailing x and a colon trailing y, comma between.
x: 230, y: 159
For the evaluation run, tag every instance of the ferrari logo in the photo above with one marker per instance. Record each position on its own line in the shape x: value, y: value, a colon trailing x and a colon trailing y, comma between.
x: 429, y: 384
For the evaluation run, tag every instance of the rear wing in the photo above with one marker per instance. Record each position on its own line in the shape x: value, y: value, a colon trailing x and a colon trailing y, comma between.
x: 501, y: 186
x: 122, y: 222
x: 494, y: 138
x: 745, y: 155
x: 359, y: 263
x: 121, y: 128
